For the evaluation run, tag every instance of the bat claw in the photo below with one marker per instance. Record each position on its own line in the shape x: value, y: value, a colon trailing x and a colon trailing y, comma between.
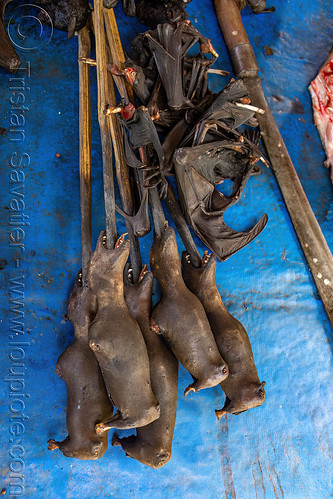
x: 189, y: 389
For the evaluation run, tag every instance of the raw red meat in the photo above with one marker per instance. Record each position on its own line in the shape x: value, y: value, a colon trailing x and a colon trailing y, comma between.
x: 321, y: 90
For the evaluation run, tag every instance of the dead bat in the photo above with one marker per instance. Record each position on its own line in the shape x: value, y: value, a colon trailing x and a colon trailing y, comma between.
x: 164, y: 117
x: 87, y: 400
x: 243, y: 388
x: 66, y: 15
x: 154, y: 12
x: 170, y: 144
x: 142, y: 54
x: 152, y: 443
x: 203, y: 205
x: 230, y: 106
x: 195, y: 76
x: 195, y: 88
x: 217, y: 161
x: 229, y: 109
x: 117, y: 342
x: 167, y: 48
x: 259, y: 6
x: 129, y: 7
x: 8, y: 56
x: 140, y: 221
x: 180, y: 318
x: 141, y: 79
x: 109, y: 4
x: 169, y: 45
x: 138, y: 132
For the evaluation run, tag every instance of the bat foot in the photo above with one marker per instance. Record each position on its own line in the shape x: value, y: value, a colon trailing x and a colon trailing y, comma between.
x: 154, y: 327
x: 93, y: 345
x: 58, y: 370
x: 100, y: 428
x: 189, y: 389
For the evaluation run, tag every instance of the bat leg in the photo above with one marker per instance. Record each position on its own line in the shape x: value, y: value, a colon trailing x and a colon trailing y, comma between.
x: 120, y: 422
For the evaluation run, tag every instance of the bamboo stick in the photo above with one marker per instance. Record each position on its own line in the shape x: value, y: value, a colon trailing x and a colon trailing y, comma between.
x: 117, y: 53
x: 122, y: 171
x: 104, y: 124
x: 85, y: 148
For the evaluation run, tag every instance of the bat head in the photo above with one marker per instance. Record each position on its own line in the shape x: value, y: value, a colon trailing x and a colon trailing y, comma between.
x: 86, y: 449
x: 107, y: 264
x: 164, y: 256
x: 81, y: 308
x: 251, y: 395
x: 199, y: 278
x: 138, y: 295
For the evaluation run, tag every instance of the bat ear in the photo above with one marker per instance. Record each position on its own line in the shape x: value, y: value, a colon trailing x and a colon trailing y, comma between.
x: 78, y: 279
x: 146, y: 278
x: 260, y: 388
x: 100, y: 240
x: 71, y: 27
x: 209, y: 263
x: 115, y: 440
x: 219, y: 413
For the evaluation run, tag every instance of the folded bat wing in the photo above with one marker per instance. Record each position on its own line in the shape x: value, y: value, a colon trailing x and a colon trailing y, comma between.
x: 204, y: 207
